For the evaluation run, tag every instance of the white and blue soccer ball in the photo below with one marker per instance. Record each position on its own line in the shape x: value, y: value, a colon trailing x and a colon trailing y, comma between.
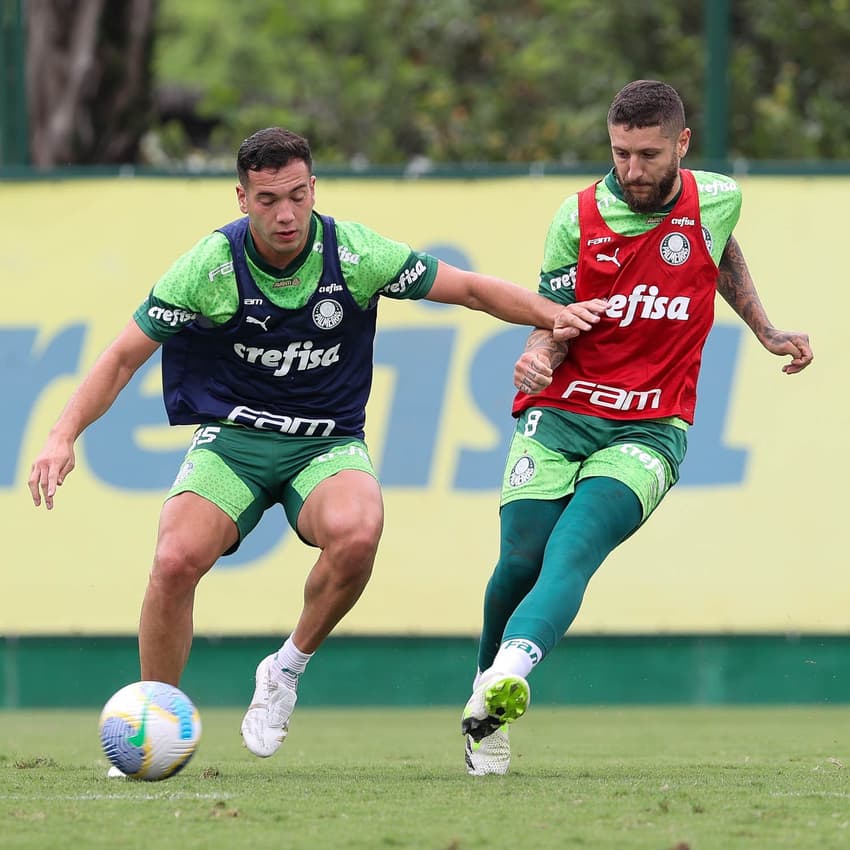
x: 149, y: 730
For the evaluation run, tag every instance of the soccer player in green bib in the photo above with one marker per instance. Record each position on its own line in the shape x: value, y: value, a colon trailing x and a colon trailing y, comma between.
x: 267, y: 327
x: 602, y: 419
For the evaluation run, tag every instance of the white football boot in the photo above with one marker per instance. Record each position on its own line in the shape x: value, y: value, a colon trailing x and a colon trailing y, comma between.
x: 489, y: 755
x: 266, y: 723
x: 497, y: 700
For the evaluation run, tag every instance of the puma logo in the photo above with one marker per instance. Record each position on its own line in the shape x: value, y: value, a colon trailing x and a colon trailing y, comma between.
x: 255, y: 321
x: 610, y: 258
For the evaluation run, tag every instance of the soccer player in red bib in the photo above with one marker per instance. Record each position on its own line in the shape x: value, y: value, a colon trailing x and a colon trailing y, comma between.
x: 602, y: 419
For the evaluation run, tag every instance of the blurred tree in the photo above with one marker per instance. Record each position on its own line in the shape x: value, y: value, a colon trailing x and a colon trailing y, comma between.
x: 410, y: 82
x: 791, y: 79
x: 88, y: 79
x: 390, y: 81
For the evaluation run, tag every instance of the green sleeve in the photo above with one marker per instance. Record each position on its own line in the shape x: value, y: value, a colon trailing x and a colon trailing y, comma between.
x: 375, y: 265
x: 199, y: 283
x: 560, y: 255
x: 720, y: 207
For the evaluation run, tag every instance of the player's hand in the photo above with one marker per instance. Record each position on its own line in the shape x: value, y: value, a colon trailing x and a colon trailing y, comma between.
x: 793, y: 343
x: 533, y: 371
x: 578, y: 318
x: 49, y: 471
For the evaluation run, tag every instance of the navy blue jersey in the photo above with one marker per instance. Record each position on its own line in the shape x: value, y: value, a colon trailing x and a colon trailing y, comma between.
x: 305, y: 371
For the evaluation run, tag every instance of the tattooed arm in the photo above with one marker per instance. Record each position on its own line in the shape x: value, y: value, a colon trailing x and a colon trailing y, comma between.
x: 533, y: 371
x: 736, y: 285
x: 545, y: 350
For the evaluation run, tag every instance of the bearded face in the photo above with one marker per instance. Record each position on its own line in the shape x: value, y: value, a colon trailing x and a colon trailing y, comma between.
x: 646, y: 162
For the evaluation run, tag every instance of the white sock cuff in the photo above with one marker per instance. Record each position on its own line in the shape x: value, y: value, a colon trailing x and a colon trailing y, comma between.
x: 517, y: 657
x: 290, y: 662
x: 290, y: 650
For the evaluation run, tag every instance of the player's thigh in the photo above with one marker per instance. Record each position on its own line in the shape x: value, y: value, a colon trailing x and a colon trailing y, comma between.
x: 345, y: 509
x: 234, y: 470
x: 194, y: 530
x: 536, y: 471
x: 336, y: 494
x: 647, y: 472
x: 552, y: 450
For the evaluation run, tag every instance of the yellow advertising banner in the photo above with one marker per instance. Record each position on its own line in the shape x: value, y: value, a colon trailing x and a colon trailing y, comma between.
x: 750, y: 540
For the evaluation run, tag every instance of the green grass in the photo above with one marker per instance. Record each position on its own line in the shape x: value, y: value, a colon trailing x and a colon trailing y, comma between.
x: 378, y: 779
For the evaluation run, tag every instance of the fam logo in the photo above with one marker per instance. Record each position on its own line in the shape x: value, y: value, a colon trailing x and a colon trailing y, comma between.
x: 327, y: 314
x: 675, y: 249
x: 224, y: 269
x: 522, y: 472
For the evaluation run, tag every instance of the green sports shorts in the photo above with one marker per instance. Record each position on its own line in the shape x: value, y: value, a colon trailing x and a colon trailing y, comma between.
x: 244, y: 471
x: 552, y: 450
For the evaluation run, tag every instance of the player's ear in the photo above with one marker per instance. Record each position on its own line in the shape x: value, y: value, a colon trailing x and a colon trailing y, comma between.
x: 683, y: 142
x: 241, y: 198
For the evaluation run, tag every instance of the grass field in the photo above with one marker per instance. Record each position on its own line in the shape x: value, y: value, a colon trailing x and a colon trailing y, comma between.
x: 606, y: 778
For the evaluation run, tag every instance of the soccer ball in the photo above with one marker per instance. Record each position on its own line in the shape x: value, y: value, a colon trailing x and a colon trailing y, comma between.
x: 149, y: 730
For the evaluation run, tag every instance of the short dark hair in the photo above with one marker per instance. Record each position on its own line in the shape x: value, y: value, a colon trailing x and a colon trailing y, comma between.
x: 648, y: 103
x: 274, y: 148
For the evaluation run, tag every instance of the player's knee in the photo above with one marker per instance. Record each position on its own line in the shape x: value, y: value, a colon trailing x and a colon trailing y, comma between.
x: 359, y: 543
x: 177, y: 567
x: 356, y: 531
x: 351, y: 548
x: 519, y: 564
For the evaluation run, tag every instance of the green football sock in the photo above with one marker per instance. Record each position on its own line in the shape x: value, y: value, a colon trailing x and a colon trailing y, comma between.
x: 525, y: 529
x: 549, y: 552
